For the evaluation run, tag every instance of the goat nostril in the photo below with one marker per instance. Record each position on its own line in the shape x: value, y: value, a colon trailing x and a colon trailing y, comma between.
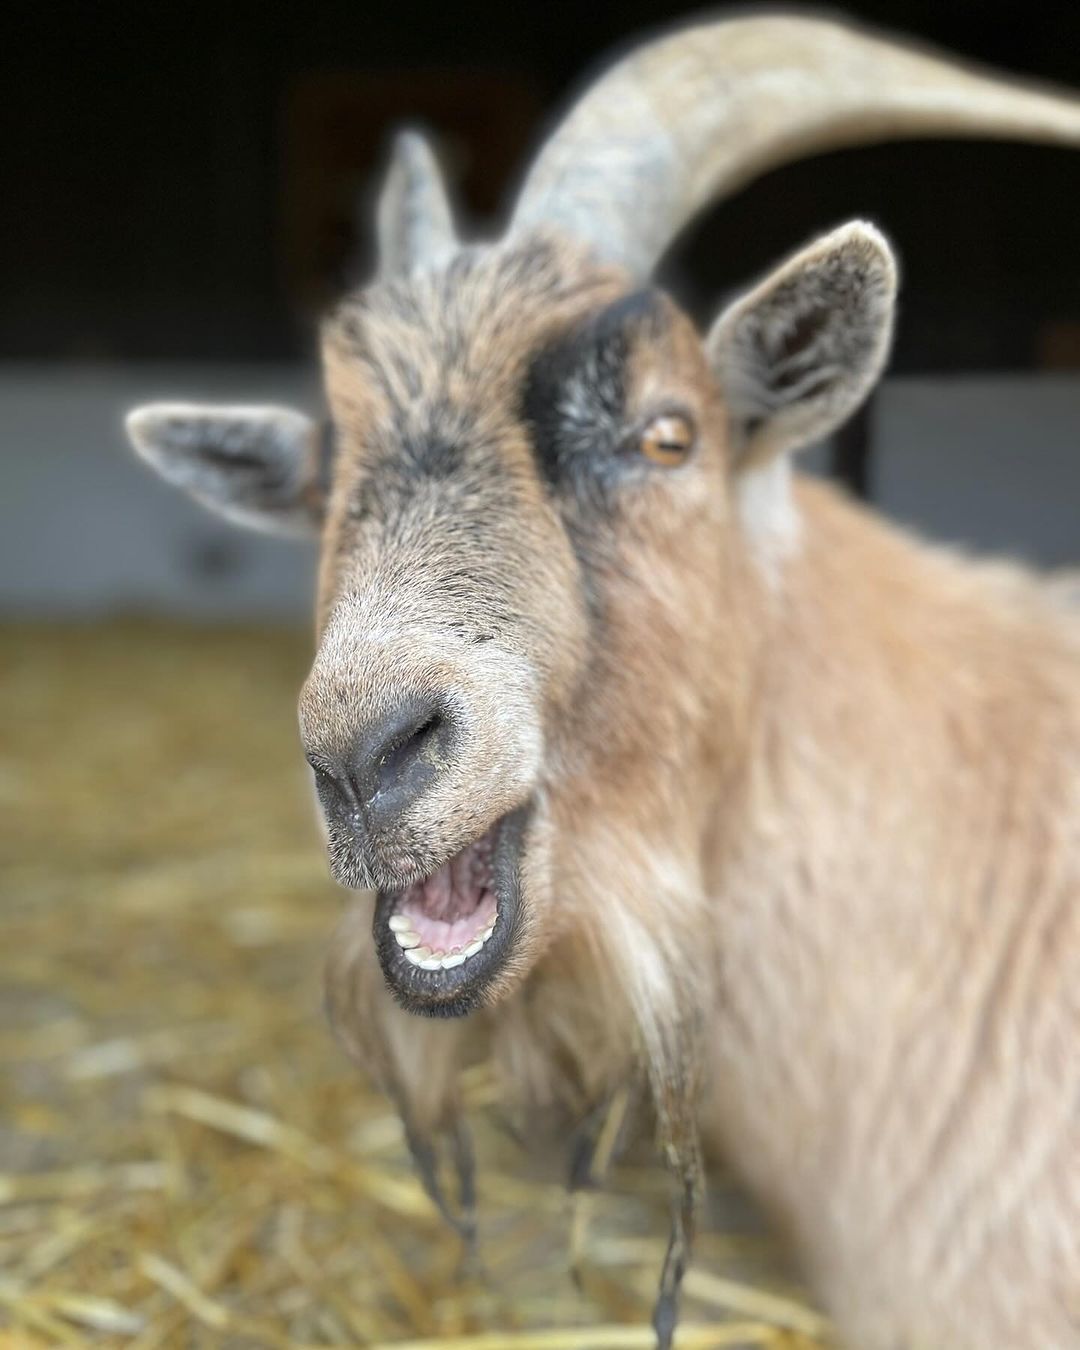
x: 337, y: 793
x: 403, y: 757
x: 408, y: 764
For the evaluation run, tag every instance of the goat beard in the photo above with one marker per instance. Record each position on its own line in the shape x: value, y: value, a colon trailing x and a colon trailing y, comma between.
x: 418, y: 1063
x: 597, y: 1143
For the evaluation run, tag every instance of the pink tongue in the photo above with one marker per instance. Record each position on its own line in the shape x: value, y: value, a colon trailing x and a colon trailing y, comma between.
x: 452, y: 908
x: 435, y: 896
x: 456, y: 888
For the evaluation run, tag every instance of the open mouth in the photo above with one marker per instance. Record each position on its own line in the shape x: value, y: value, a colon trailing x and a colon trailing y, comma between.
x: 442, y: 940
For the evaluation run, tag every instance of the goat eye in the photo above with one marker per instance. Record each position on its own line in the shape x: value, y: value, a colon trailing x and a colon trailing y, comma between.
x: 667, y: 440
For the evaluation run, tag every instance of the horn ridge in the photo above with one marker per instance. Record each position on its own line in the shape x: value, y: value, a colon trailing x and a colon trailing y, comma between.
x: 414, y: 220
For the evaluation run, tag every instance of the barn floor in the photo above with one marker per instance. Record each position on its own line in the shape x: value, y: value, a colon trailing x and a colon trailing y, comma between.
x: 185, y: 1157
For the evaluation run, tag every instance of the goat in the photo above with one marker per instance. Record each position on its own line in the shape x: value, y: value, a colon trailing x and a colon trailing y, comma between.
x: 668, y: 765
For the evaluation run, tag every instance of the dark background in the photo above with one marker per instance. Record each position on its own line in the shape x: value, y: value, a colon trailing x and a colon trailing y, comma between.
x: 179, y: 180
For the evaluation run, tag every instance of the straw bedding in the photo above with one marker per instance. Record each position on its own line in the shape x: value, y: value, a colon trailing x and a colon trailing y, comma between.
x: 185, y: 1157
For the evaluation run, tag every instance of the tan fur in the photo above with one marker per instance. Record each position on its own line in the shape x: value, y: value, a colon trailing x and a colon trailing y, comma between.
x: 803, y: 851
x: 818, y: 818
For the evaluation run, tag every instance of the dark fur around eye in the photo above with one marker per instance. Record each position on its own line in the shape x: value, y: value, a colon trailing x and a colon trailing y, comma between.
x: 574, y: 396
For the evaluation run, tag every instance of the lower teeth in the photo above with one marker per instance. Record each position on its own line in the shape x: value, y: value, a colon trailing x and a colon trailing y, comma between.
x: 423, y: 957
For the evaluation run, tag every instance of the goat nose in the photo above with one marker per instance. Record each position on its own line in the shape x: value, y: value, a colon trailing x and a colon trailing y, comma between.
x: 399, y: 757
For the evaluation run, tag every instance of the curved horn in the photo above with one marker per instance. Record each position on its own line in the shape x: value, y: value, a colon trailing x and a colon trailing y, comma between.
x: 697, y: 114
x: 414, y: 222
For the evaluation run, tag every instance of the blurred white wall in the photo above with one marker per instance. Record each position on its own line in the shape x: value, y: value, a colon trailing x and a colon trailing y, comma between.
x: 86, y: 528
x: 992, y: 462
x: 988, y: 461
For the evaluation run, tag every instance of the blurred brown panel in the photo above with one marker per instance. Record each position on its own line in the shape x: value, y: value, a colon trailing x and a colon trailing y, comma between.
x: 1057, y: 345
x: 334, y: 141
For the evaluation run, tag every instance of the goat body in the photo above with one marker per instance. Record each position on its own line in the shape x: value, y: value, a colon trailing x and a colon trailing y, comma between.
x: 663, y: 762
x: 876, y: 938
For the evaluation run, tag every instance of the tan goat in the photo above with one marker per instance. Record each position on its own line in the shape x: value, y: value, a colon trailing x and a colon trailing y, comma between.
x: 667, y: 764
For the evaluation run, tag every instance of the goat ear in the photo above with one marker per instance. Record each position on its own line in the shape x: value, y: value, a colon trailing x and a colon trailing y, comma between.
x: 800, y: 352
x: 259, y: 466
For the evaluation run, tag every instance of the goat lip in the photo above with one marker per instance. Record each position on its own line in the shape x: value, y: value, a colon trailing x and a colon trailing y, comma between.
x: 463, y: 986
